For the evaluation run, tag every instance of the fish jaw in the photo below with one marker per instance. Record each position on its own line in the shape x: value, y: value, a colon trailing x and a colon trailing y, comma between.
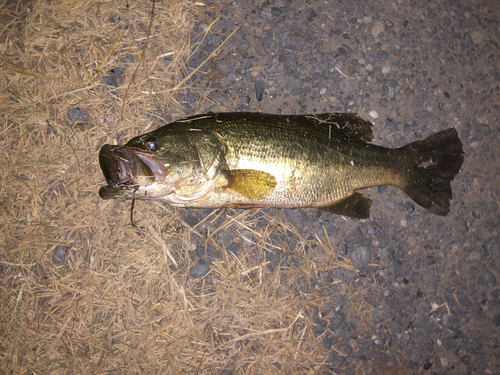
x: 128, y: 170
x: 133, y: 173
x: 187, y: 195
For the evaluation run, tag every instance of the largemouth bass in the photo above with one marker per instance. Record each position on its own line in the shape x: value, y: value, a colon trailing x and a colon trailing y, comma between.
x: 246, y: 160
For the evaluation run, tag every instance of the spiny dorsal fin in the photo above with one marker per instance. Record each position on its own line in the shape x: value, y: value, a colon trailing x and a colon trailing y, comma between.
x: 346, y: 125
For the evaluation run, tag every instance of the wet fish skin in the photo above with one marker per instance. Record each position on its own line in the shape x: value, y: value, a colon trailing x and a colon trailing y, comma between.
x: 261, y: 160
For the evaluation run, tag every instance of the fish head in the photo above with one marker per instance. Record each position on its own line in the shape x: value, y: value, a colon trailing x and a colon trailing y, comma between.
x: 176, y: 167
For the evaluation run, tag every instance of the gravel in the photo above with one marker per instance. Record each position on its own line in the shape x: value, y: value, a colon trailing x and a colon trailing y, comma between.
x: 432, y: 302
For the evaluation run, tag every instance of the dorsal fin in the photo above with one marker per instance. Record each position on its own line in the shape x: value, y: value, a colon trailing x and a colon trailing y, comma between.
x: 343, y: 126
x: 348, y: 126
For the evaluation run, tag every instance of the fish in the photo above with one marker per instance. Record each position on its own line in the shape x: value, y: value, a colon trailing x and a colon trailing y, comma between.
x: 258, y: 160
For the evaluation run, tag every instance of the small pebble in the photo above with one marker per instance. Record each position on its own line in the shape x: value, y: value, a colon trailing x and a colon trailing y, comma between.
x: 225, y: 66
x: 310, y: 14
x: 117, y: 71
x: 267, y: 40
x: 110, y: 81
x: 486, y: 277
x: 59, y: 254
x: 77, y: 115
x: 377, y: 29
x: 226, y: 236
x: 496, y: 319
x: 234, y: 247
x: 248, y: 238
x: 360, y: 257
x: 303, y: 285
x: 418, y: 101
x: 483, y: 129
x: 422, y: 114
x: 461, y: 224
x: 191, y: 220
x: 382, y: 55
x: 390, y: 205
x: 474, y: 256
x: 343, y: 287
x: 297, y: 217
x: 276, y: 12
x: 478, y: 36
x: 473, y: 271
x: 492, y: 343
x: 260, y: 87
x: 373, y: 114
x: 198, y: 270
x: 191, y: 97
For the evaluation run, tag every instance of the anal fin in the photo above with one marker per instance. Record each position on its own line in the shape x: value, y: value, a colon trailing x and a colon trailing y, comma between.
x: 356, y: 205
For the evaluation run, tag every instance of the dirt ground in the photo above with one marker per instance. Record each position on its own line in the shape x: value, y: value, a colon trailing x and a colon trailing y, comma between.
x: 232, y: 291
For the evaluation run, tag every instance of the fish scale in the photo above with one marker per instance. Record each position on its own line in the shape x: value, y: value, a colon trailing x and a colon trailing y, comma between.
x: 307, y: 172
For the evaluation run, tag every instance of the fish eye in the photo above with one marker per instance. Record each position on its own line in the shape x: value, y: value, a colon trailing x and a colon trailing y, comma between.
x: 152, y: 143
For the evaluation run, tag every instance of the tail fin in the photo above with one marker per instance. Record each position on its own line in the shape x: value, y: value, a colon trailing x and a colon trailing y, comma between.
x: 433, y: 163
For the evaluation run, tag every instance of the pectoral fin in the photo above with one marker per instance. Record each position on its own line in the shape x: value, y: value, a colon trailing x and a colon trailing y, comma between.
x: 251, y: 183
x: 356, y: 205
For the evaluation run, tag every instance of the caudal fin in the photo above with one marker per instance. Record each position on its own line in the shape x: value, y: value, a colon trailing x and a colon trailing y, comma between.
x: 433, y: 163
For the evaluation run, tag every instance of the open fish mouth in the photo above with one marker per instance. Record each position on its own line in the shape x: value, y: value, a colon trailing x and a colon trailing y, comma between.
x: 126, y: 168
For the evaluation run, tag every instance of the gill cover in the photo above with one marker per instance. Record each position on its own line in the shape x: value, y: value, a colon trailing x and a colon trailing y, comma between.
x: 170, y: 163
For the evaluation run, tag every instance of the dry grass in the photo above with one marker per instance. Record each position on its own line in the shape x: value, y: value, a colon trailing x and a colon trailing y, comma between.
x: 124, y: 302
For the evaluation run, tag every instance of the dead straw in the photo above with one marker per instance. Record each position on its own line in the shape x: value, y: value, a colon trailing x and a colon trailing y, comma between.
x: 124, y: 301
x: 87, y: 254
x: 141, y: 59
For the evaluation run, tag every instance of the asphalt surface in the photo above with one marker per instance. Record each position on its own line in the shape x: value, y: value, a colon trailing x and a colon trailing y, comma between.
x: 412, y: 69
